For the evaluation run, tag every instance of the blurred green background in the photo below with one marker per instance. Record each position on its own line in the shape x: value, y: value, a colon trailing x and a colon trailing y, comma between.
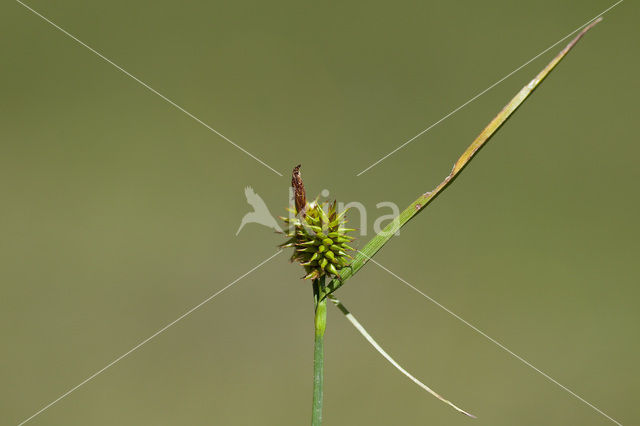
x: 119, y: 212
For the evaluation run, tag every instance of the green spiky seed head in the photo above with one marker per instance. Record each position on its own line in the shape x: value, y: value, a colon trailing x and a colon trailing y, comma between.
x: 317, y: 234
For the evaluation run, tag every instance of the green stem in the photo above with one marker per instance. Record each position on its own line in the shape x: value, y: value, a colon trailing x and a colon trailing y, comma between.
x: 320, y: 322
x: 379, y: 240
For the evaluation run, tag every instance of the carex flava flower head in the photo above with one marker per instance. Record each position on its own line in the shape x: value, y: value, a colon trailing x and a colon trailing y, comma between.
x: 317, y: 234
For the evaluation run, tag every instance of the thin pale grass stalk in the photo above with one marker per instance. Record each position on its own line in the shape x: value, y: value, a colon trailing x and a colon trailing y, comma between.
x: 382, y: 352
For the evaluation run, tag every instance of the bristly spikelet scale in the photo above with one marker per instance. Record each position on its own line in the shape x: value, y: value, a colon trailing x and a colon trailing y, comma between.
x: 317, y: 235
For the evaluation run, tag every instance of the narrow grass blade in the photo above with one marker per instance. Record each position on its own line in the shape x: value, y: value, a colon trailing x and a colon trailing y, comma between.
x: 382, y: 352
x: 378, y: 241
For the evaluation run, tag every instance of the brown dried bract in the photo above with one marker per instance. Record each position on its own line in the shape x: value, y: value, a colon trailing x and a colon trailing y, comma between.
x: 298, y: 188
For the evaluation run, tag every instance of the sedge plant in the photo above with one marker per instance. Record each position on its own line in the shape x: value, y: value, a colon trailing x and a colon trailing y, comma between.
x: 321, y: 241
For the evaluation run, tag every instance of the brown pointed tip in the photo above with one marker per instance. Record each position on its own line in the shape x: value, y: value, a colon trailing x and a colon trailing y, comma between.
x: 296, y: 171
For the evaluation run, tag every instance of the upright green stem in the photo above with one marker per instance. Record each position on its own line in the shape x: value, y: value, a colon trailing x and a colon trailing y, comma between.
x: 320, y: 322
